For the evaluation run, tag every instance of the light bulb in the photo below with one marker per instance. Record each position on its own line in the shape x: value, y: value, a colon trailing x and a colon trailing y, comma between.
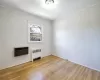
x: 49, y: 1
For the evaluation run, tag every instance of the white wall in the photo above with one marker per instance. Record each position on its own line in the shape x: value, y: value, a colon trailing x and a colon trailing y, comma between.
x: 0, y: 52
x: 77, y: 37
x: 14, y: 33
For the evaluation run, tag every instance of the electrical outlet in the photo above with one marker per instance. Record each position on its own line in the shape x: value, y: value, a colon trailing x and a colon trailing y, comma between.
x: 67, y: 60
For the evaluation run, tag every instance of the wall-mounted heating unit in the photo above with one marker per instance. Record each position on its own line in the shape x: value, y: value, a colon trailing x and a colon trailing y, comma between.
x: 36, y: 54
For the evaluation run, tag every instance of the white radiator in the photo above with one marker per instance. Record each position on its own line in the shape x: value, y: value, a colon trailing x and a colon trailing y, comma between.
x: 36, y: 53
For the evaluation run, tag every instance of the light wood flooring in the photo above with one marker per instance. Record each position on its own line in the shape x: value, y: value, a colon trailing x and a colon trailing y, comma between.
x: 49, y: 68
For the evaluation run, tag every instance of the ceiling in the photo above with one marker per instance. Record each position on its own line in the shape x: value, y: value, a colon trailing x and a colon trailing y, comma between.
x: 58, y: 9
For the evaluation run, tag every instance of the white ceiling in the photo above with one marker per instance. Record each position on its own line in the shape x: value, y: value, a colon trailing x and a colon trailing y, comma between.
x: 58, y: 9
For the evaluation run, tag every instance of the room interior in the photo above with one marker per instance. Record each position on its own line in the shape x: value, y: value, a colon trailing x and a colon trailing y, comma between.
x: 49, y: 40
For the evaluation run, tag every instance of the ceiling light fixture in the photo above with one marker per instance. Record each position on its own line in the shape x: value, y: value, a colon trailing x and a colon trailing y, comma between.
x: 49, y: 1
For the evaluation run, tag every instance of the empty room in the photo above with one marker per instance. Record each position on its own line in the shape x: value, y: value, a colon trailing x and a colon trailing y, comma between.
x: 49, y: 39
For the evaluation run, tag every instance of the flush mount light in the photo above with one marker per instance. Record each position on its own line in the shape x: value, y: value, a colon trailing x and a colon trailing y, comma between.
x: 49, y: 1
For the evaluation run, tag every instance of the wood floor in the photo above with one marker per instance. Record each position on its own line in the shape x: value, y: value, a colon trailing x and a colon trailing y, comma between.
x: 49, y: 68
